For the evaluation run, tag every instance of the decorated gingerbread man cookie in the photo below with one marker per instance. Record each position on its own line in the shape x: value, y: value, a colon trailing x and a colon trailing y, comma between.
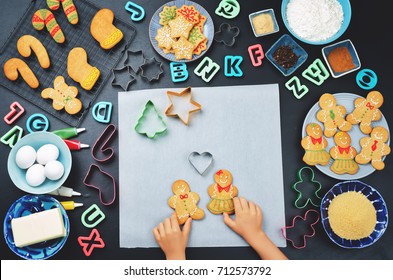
x: 185, y: 202
x: 315, y: 145
x: 374, y: 148
x: 63, y: 96
x: 331, y: 115
x: 366, y: 111
x: 343, y: 154
x: 222, y: 193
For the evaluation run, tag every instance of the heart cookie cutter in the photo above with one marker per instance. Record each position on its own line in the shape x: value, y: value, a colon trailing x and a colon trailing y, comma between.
x: 301, y: 175
x: 201, y: 162
x: 306, y: 218
x: 101, y: 145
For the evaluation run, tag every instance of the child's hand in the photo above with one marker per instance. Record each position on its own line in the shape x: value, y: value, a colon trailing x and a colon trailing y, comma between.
x: 173, y: 240
x: 248, y: 221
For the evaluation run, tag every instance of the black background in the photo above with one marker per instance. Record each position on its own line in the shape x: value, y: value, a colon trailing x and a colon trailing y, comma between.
x: 369, y: 33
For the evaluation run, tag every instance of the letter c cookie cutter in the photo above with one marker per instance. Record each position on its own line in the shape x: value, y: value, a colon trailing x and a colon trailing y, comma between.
x: 101, y: 145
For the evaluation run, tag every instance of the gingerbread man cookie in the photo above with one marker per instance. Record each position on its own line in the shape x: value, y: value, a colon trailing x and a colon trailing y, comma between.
x: 63, y: 96
x: 222, y: 193
x: 374, y: 148
x: 185, y: 202
x: 331, y: 115
x: 315, y: 146
x: 343, y: 155
x: 366, y: 111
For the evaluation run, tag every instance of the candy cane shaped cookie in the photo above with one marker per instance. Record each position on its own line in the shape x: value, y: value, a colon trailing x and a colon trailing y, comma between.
x: 68, y: 7
x: 44, y: 17
x: 28, y: 43
x: 15, y: 66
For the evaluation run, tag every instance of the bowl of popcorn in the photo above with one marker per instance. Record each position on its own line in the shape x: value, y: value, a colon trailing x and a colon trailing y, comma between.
x: 316, y: 22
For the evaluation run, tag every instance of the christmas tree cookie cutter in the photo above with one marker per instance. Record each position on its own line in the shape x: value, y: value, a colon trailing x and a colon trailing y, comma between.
x: 311, y: 217
x: 174, y: 111
x: 313, y: 199
x: 150, y: 123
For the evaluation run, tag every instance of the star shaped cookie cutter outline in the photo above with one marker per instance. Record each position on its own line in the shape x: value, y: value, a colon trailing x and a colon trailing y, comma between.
x: 170, y: 111
x: 149, y: 62
x: 134, y: 54
x: 117, y: 83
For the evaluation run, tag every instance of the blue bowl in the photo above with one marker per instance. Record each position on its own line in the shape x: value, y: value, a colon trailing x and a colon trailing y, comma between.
x: 27, y: 205
x: 346, y: 6
x: 373, y: 195
x: 36, y: 140
x: 298, y: 50
x: 355, y: 58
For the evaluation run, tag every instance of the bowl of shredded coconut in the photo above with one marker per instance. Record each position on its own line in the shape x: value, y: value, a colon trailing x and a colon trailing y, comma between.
x: 316, y: 22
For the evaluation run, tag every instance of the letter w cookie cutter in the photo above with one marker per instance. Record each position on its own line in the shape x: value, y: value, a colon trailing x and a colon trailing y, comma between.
x: 101, y: 145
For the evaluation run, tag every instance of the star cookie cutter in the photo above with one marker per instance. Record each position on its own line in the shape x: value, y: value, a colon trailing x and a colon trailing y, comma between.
x: 101, y: 145
x: 314, y: 199
x: 116, y: 77
x: 147, y: 69
x: 134, y: 59
x: 150, y: 123
x: 201, y: 162
x: 227, y: 34
x: 98, y: 179
x: 307, y: 233
x: 173, y: 112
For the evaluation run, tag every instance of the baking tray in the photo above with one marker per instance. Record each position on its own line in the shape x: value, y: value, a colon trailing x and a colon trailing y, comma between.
x: 76, y: 36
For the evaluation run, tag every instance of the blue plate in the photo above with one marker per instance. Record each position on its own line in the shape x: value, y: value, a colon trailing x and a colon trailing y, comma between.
x: 208, y: 29
x: 298, y: 50
x: 373, y: 195
x: 27, y: 205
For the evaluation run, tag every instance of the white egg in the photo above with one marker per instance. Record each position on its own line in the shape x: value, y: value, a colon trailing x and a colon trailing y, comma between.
x: 25, y: 157
x: 35, y: 175
x: 47, y: 153
x: 54, y: 170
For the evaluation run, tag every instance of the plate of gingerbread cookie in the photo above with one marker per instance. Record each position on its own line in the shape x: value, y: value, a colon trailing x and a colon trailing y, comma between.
x: 181, y: 31
x: 346, y: 136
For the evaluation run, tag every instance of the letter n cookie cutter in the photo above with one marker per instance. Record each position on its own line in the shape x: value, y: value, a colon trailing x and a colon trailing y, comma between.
x: 312, y: 221
x: 317, y: 185
x: 90, y: 180
x: 101, y: 145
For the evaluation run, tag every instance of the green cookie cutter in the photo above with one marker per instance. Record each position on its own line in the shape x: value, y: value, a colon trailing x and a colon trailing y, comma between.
x: 317, y: 185
x: 150, y: 123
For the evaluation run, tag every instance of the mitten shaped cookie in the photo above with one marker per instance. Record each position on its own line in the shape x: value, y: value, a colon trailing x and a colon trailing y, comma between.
x: 222, y: 193
x: 103, y: 30
x: 63, y: 96
x: 331, y: 115
x: 374, y: 148
x: 315, y: 146
x: 343, y: 154
x: 15, y: 66
x: 366, y: 111
x: 28, y: 43
x: 80, y: 70
x: 185, y: 202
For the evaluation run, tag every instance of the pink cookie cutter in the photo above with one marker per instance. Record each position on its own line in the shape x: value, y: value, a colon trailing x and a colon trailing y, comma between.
x: 17, y: 110
x: 90, y: 242
x: 311, y: 221
x: 101, y: 151
x: 98, y: 179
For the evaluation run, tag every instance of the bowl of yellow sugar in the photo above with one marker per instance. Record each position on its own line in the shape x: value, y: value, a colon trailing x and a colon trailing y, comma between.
x: 263, y: 22
x: 354, y: 214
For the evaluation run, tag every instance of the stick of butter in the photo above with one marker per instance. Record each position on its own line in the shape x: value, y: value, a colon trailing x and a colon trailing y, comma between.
x: 38, y: 227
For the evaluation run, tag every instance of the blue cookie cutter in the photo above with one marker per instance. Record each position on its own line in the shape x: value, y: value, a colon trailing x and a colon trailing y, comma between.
x: 179, y: 72
x: 102, y: 111
x: 232, y: 66
x: 137, y: 12
x: 37, y: 122
x: 370, y: 75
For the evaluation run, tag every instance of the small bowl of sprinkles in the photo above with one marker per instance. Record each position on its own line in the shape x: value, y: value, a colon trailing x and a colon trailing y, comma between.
x: 286, y: 55
x: 316, y: 22
x: 354, y: 214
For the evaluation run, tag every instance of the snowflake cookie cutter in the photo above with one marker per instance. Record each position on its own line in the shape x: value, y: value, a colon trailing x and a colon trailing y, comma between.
x: 148, y: 64
x: 227, y: 34
x: 144, y: 124
x: 201, y: 161
x: 311, y: 222
x: 116, y: 77
x: 314, y: 199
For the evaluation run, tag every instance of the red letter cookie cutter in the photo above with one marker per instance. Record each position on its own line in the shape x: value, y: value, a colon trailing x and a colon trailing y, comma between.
x: 16, y: 111
x: 101, y: 145
x: 90, y: 242
x: 256, y: 54
x: 310, y: 232
x: 101, y: 183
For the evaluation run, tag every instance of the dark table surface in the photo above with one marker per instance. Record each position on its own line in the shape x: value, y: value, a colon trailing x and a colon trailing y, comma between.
x: 368, y: 32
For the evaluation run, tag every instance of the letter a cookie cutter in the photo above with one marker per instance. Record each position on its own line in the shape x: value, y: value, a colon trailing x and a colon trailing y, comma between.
x: 101, y: 145
x: 310, y: 233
